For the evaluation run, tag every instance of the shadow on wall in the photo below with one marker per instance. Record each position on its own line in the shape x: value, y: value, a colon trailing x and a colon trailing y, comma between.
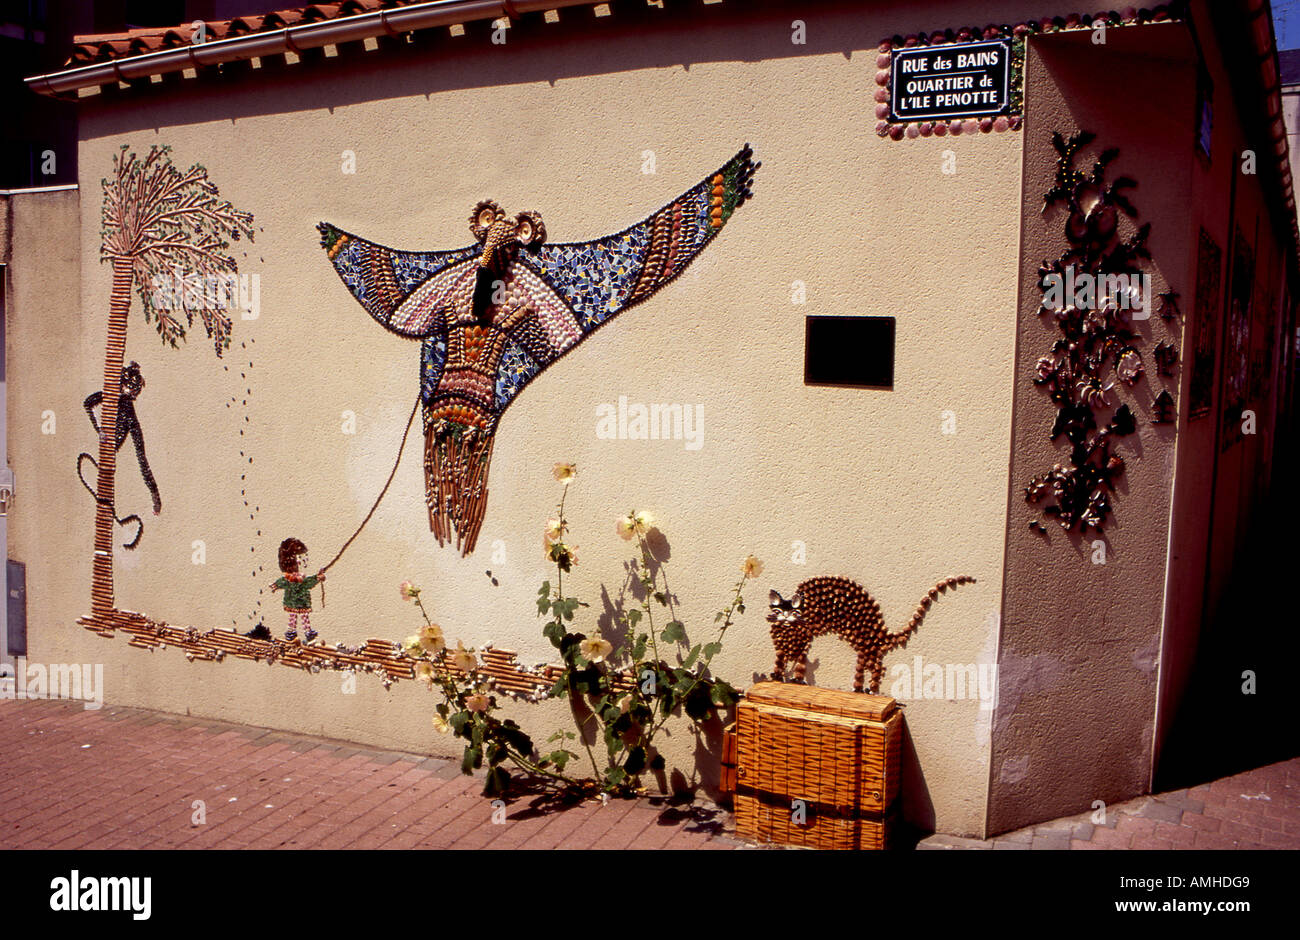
x: 913, y: 795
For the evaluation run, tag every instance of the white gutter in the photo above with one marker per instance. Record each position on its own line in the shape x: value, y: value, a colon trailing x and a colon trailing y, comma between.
x: 394, y: 22
x: 38, y: 189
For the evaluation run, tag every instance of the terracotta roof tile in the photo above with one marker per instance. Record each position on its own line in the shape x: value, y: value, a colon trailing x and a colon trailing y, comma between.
x: 103, y: 47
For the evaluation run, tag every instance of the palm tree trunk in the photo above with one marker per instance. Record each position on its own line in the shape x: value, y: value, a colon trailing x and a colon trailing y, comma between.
x: 101, y: 586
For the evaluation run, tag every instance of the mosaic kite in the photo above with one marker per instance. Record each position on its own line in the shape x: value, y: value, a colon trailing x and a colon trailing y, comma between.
x: 494, y: 315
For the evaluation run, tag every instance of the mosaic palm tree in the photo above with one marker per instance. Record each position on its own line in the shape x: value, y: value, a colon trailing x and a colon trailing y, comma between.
x: 492, y: 316
x: 159, y: 223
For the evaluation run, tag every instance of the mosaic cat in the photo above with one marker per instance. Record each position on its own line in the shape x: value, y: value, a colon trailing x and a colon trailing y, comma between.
x: 841, y: 607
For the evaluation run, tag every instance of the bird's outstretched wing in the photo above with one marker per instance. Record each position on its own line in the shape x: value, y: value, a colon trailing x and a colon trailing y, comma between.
x: 383, y: 280
x: 578, y: 286
x: 601, y: 278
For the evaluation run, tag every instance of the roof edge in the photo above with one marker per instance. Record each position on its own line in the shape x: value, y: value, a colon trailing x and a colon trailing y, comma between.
x: 396, y: 21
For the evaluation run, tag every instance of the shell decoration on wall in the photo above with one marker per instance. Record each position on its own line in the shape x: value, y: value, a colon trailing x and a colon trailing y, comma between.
x: 492, y: 316
x: 843, y: 608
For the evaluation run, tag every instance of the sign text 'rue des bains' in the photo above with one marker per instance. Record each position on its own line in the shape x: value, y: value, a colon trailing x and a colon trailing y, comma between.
x: 946, y: 82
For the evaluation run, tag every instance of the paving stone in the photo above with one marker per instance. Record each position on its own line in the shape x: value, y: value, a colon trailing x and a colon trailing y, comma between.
x: 941, y: 842
x: 1164, y: 812
x: 1019, y: 835
x: 1057, y: 841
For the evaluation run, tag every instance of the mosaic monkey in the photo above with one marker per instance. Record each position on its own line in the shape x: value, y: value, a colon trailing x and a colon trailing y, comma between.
x: 839, y: 606
x: 127, y: 423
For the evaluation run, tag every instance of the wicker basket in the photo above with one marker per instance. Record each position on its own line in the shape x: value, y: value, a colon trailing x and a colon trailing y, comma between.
x: 727, y: 781
x: 835, y: 752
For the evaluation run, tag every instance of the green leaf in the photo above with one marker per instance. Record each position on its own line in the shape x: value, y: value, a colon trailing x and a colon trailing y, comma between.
x: 554, y: 631
x: 615, y: 775
x: 497, y: 782
x: 473, y: 758
x: 723, y: 694
x: 675, y: 631
x: 633, y: 617
x: 558, y: 690
x: 711, y: 650
x: 457, y: 721
x: 721, y: 615
x: 691, y: 657
x: 559, y: 759
x: 661, y: 598
x: 638, y: 650
x: 699, y: 704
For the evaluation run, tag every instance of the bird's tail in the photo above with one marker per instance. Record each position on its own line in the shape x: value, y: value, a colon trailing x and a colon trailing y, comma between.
x: 898, y: 640
x: 456, y: 460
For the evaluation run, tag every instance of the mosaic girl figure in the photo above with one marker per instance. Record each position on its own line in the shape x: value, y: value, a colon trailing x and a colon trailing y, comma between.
x: 297, y: 589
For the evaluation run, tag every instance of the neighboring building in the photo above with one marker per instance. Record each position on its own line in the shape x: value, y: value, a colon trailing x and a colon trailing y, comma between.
x: 893, y: 445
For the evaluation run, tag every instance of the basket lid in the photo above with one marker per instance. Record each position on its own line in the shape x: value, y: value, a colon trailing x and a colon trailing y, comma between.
x: 827, y: 701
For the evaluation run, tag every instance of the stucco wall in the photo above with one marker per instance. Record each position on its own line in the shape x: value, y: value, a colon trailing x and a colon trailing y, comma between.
x: 44, y: 333
x: 557, y: 120
x: 1080, y: 643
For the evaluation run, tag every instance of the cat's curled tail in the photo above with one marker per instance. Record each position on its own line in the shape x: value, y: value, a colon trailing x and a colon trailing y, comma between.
x: 899, y: 640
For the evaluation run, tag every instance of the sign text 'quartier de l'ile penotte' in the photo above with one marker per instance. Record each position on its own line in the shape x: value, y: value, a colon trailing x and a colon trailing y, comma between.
x: 950, y: 81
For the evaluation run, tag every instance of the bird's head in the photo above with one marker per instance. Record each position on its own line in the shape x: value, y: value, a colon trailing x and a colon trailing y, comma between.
x: 500, y: 234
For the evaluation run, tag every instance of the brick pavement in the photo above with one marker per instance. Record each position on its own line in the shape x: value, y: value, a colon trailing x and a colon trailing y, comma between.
x: 126, y: 778
x: 1258, y: 809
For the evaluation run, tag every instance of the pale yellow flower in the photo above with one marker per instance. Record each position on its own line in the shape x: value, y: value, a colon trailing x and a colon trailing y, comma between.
x: 565, y: 472
x: 554, y: 530
x: 408, y: 590
x: 424, y: 671
x: 595, y: 648
x: 440, y: 724
x: 478, y: 702
x: 463, y: 658
x: 411, y: 645
x: 636, y: 523
x: 432, y: 640
x: 751, y: 567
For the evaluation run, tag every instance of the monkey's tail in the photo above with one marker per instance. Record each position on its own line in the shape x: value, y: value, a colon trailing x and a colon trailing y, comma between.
x: 109, y: 503
x: 899, y: 640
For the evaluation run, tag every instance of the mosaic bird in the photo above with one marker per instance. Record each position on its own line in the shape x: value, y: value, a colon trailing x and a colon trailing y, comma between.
x: 493, y: 315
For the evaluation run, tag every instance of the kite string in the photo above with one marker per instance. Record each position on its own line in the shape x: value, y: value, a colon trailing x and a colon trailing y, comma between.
x: 401, y: 447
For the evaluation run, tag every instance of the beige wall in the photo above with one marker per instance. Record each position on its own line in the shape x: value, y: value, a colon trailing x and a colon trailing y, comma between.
x: 557, y: 120
x: 44, y: 338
